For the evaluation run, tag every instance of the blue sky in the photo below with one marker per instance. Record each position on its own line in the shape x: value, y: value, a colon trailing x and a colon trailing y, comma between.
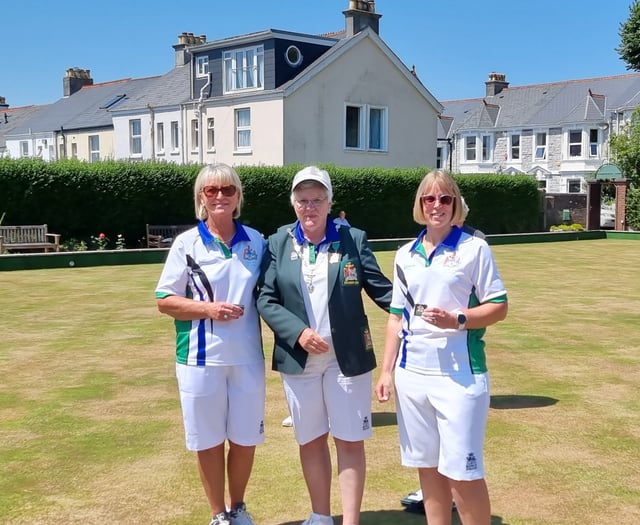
x: 454, y: 44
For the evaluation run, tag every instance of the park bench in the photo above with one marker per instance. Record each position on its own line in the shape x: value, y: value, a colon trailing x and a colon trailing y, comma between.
x: 28, y: 237
x: 161, y: 236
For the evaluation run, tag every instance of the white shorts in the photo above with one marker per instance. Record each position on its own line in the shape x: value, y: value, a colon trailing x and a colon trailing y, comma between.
x: 323, y: 400
x: 222, y: 402
x: 442, y: 422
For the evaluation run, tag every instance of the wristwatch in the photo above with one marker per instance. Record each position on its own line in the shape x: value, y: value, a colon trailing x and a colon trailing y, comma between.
x: 462, y: 320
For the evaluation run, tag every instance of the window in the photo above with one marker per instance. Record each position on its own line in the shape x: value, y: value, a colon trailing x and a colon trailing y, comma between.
x: 94, y: 148
x: 195, y: 134
x: 470, y: 148
x: 541, y: 146
x: 202, y: 66
x: 243, y: 129
x: 574, y: 185
x: 353, y: 127
x: 74, y: 150
x: 514, y: 146
x: 366, y: 128
x: 211, y: 137
x: 135, y: 137
x: 160, y: 137
x: 575, y: 143
x: 377, y: 129
x: 486, y: 148
x: 24, y: 148
x: 293, y: 56
x: 593, y: 142
x: 244, y: 69
x: 175, y: 136
x: 439, y: 158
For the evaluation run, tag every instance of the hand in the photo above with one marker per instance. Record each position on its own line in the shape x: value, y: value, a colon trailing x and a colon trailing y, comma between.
x: 226, y: 311
x: 384, y: 387
x: 312, y: 342
x: 440, y: 318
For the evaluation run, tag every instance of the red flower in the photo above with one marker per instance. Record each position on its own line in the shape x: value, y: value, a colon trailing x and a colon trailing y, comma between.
x: 102, y: 235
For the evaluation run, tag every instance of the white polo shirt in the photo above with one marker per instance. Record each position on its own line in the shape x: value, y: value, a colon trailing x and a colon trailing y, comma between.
x: 201, y: 267
x: 460, y: 273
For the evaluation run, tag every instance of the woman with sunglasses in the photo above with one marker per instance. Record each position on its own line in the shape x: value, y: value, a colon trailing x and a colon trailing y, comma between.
x: 311, y: 297
x: 207, y: 285
x: 446, y: 291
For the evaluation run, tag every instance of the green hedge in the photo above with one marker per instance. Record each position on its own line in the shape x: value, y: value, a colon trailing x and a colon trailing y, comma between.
x: 80, y: 200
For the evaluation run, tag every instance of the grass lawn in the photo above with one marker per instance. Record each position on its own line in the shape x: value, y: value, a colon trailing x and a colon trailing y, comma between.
x: 91, y: 430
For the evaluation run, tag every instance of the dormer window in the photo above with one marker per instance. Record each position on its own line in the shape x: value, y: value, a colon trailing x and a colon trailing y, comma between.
x: 293, y: 56
x: 244, y: 69
x: 202, y: 66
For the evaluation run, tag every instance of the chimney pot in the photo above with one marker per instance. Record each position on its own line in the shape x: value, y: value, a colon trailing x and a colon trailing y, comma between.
x: 496, y: 83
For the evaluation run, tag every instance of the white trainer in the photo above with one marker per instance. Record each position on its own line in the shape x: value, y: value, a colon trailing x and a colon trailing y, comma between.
x: 318, y: 519
x: 240, y: 516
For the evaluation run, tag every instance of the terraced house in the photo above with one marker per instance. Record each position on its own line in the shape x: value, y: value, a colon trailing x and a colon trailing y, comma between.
x: 556, y: 132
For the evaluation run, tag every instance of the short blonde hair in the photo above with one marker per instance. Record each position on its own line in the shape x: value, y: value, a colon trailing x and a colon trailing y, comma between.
x: 446, y: 183
x: 215, y: 175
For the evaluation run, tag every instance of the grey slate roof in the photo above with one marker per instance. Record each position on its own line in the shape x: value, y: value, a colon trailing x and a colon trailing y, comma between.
x: 540, y: 105
x: 170, y: 89
x: 83, y: 109
x: 12, y: 118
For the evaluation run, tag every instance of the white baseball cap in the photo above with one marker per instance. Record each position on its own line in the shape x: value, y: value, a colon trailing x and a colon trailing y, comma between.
x: 316, y: 174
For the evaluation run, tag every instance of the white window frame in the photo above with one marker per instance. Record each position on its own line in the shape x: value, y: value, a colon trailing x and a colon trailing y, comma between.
x: 74, y: 150
x: 515, y: 142
x: 540, y: 149
x: 572, y: 183
x: 243, y: 69
x: 24, y: 148
x: 366, y: 127
x: 470, y: 148
x: 439, y: 151
x: 242, y: 120
x: 486, y: 143
x: 195, y: 134
x: 175, y: 136
x: 202, y: 66
x: 94, y: 148
x: 135, y: 137
x: 160, y: 137
x: 574, y: 144
x: 211, y: 134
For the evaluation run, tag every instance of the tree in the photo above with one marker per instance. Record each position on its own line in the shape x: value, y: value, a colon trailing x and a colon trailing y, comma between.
x: 625, y: 148
x: 629, y: 48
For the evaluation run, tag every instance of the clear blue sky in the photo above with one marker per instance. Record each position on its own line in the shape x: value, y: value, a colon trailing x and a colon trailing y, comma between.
x: 454, y: 44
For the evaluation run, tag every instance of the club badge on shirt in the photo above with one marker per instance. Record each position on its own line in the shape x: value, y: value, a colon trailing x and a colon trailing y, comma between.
x: 249, y: 254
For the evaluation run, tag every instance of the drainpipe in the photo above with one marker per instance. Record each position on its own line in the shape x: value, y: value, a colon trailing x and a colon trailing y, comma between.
x: 152, y: 117
x: 199, y: 115
x: 450, y: 144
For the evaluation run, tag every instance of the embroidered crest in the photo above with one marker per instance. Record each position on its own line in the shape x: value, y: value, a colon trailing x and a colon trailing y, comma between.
x: 349, y: 274
x: 249, y: 254
x: 451, y: 259
x: 368, y: 341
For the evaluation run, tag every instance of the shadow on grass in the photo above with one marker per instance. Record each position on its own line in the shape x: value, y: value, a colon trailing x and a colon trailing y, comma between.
x: 516, y: 401
x: 396, y: 517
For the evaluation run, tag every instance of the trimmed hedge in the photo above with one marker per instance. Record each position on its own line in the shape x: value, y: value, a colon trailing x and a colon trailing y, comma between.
x: 80, y: 200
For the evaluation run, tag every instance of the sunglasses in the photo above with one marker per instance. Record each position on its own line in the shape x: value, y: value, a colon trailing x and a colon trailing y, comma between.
x: 445, y: 200
x: 212, y: 191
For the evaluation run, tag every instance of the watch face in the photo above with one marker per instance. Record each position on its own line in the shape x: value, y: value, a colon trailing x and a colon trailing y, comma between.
x: 462, y: 318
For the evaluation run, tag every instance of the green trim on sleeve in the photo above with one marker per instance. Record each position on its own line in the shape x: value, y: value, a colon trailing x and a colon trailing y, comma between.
x: 397, y: 311
x: 501, y: 299
x: 162, y: 295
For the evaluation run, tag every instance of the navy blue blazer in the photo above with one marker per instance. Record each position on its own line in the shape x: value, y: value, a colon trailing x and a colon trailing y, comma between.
x: 281, y: 304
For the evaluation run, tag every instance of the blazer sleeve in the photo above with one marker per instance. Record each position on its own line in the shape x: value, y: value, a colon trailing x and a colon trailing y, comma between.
x: 375, y: 283
x: 277, y: 306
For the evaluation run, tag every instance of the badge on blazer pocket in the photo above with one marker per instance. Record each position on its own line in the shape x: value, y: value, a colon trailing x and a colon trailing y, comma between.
x: 367, y: 339
x: 349, y: 273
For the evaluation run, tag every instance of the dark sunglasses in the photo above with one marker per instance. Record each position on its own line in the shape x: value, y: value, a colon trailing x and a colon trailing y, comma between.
x: 212, y: 191
x: 445, y: 200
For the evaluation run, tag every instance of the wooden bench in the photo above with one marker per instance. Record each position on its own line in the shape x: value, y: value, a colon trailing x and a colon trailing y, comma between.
x: 28, y: 237
x: 161, y: 236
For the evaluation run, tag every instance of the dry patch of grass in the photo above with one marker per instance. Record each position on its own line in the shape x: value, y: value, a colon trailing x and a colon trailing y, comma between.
x: 91, y: 430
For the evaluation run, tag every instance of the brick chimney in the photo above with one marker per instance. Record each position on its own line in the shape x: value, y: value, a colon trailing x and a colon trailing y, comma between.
x: 186, y: 40
x: 360, y: 15
x: 3, y: 103
x: 75, y: 79
x: 496, y: 83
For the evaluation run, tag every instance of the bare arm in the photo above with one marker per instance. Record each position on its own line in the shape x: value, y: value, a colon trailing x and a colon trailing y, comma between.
x: 384, y: 387
x: 185, y: 309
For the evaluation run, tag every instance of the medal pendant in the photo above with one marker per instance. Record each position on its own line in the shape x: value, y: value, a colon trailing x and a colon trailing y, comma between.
x: 311, y: 288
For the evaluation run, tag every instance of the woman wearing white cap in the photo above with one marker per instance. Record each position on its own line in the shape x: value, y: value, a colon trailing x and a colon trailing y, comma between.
x: 312, y: 277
